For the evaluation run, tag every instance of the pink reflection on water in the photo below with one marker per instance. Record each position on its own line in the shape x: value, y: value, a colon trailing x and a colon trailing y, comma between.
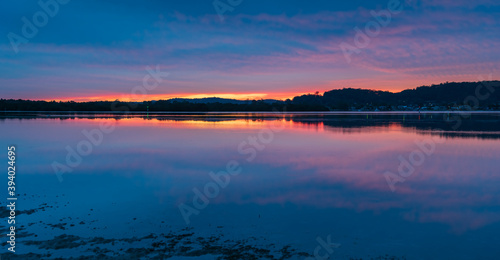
x: 307, y: 164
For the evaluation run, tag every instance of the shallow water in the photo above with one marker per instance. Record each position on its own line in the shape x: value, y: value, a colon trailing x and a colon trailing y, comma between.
x: 299, y: 179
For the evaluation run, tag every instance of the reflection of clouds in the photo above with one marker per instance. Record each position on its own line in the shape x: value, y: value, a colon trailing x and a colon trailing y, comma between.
x: 327, y: 173
x: 463, y: 220
x: 306, y: 164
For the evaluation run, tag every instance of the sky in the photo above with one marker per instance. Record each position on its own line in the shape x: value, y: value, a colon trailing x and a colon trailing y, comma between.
x: 101, y: 50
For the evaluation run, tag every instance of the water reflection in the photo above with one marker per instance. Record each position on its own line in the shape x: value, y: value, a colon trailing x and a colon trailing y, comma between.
x: 317, y: 164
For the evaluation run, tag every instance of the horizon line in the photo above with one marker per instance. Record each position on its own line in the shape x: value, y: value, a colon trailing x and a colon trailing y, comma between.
x: 231, y: 96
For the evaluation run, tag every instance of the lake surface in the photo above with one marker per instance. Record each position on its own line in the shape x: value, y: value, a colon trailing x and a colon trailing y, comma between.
x: 252, y: 186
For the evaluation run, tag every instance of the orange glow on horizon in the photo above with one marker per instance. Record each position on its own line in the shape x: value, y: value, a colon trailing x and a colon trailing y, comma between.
x: 393, y: 86
x: 140, y: 98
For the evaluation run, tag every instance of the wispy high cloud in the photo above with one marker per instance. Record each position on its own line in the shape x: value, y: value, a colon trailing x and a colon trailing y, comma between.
x: 103, y: 47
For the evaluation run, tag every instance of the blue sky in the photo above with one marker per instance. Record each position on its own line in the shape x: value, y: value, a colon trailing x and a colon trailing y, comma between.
x: 100, y: 49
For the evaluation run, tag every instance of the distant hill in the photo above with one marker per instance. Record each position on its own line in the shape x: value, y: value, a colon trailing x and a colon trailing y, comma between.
x: 483, y: 95
x: 218, y: 100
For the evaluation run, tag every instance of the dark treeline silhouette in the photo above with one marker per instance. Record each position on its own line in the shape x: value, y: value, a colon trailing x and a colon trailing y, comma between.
x: 483, y: 95
x: 447, y: 96
x: 153, y: 106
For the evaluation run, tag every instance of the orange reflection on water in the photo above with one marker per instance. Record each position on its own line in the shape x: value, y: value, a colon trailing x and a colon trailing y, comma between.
x: 208, y: 123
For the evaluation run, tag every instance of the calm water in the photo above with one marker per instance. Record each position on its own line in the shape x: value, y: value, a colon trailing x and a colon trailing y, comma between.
x: 303, y: 179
